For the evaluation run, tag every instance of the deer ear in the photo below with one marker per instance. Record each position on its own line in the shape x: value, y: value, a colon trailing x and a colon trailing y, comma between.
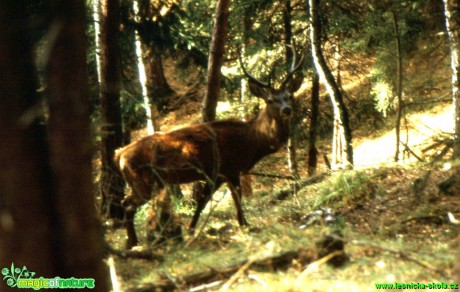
x: 295, y: 83
x: 257, y: 90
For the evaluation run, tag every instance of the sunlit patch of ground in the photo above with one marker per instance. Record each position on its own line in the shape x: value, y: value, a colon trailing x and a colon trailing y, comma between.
x: 421, y: 127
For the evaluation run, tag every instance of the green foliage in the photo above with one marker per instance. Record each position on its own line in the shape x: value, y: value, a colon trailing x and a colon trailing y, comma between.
x: 346, y: 188
x: 383, y: 95
x: 380, y: 36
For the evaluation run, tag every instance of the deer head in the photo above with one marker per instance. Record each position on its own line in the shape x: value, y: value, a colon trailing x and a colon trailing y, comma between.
x: 278, y: 100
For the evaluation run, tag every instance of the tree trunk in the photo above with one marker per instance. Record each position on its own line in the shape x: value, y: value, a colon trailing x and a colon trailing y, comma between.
x: 246, y: 179
x: 216, y: 57
x: 130, y: 70
x: 451, y: 10
x: 313, y: 130
x: 287, y: 19
x: 112, y: 182
x: 292, y: 141
x: 80, y: 244
x: 49, y: 222
x: 158, y: 89
x: 399, y: 77
x: 27, y: 229
x: 342, y: 155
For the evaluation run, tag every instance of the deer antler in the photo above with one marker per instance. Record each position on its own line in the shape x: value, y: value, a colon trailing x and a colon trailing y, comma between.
x: 252, y: 78
x: 294, y: 67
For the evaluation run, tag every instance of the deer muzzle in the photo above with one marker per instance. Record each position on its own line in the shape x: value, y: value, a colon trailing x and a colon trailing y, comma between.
x: 286, y: 110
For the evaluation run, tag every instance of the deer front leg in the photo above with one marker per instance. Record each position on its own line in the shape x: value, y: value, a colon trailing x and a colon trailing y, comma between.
x: 235, y: 189
x: 130, y: 230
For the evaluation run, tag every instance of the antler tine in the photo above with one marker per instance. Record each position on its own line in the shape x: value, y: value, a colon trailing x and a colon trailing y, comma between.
x: 294, y: 66
x: 294, y: 55
x: 255, y: 80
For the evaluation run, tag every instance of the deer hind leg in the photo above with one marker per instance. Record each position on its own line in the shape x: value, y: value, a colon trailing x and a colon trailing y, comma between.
x: 162, y: 224
x: 235, y: 189
x: 202, y: 193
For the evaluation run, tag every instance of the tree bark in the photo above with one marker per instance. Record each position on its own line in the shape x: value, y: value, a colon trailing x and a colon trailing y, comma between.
x: 313, y: 130
x: 79, y: 244
x: 112, y: 182
x: 130, y: 71
x: 27, y: 227
x: 451, y: 10
x: 399, y: 74
x: 158, y: 89
x: 49, y: 221
x: 342, y: 155
x: 292, y: 142
x: 216, y: 57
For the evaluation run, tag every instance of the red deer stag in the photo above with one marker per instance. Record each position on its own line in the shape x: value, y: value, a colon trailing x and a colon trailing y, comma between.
x: 214, y: 152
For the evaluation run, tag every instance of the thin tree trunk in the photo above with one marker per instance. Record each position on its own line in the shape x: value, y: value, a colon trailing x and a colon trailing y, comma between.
x: 246, y: 179
x: 80, y: 244
x: 451, y: 10
x: 292, y: 141
x: 287, y: 19
x: 338, y: 62
x: 399, y: 74
x: 130, y: 70
x: 97, y: 32
x: 112, y: 182
x: 142, y: 75
x: 216, y: 57
x: 313, y: 130
x: 342, y: 137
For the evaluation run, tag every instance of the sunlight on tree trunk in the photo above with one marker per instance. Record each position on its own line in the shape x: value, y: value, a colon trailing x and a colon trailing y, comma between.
x: 142, y: 76
x: 399, y: 88
x: 97, y: 34
x: 451, y: 10
x: 342, y: 148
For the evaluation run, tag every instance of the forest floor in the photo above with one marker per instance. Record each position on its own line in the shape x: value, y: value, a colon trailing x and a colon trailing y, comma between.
x: 394, y: 220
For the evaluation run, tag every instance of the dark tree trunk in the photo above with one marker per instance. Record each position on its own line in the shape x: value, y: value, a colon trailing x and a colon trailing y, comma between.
x: 342, y: 155
x: 112, y: 183
x: 49, y: 221
x: 314, y: 118
x: 246, y: 179
x: 158, y: 89
x: 451, y: 10
x: 27, y: 228
x: 399, y: 76
x: 287, y: 19
x: 216, y: 57
x: 130, y: 69
x: 80, y: 245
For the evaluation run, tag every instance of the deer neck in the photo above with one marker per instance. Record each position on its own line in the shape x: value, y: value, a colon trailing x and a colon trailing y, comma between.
x: 269, y: 132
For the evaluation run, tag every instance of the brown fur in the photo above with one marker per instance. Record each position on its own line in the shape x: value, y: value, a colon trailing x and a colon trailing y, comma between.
x: 213, y: 152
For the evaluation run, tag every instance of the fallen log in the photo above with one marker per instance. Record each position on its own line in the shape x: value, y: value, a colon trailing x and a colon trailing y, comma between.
x: 184, y: 282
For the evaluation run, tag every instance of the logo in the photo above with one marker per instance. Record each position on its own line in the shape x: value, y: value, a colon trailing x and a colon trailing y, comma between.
x: 16, y: 277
